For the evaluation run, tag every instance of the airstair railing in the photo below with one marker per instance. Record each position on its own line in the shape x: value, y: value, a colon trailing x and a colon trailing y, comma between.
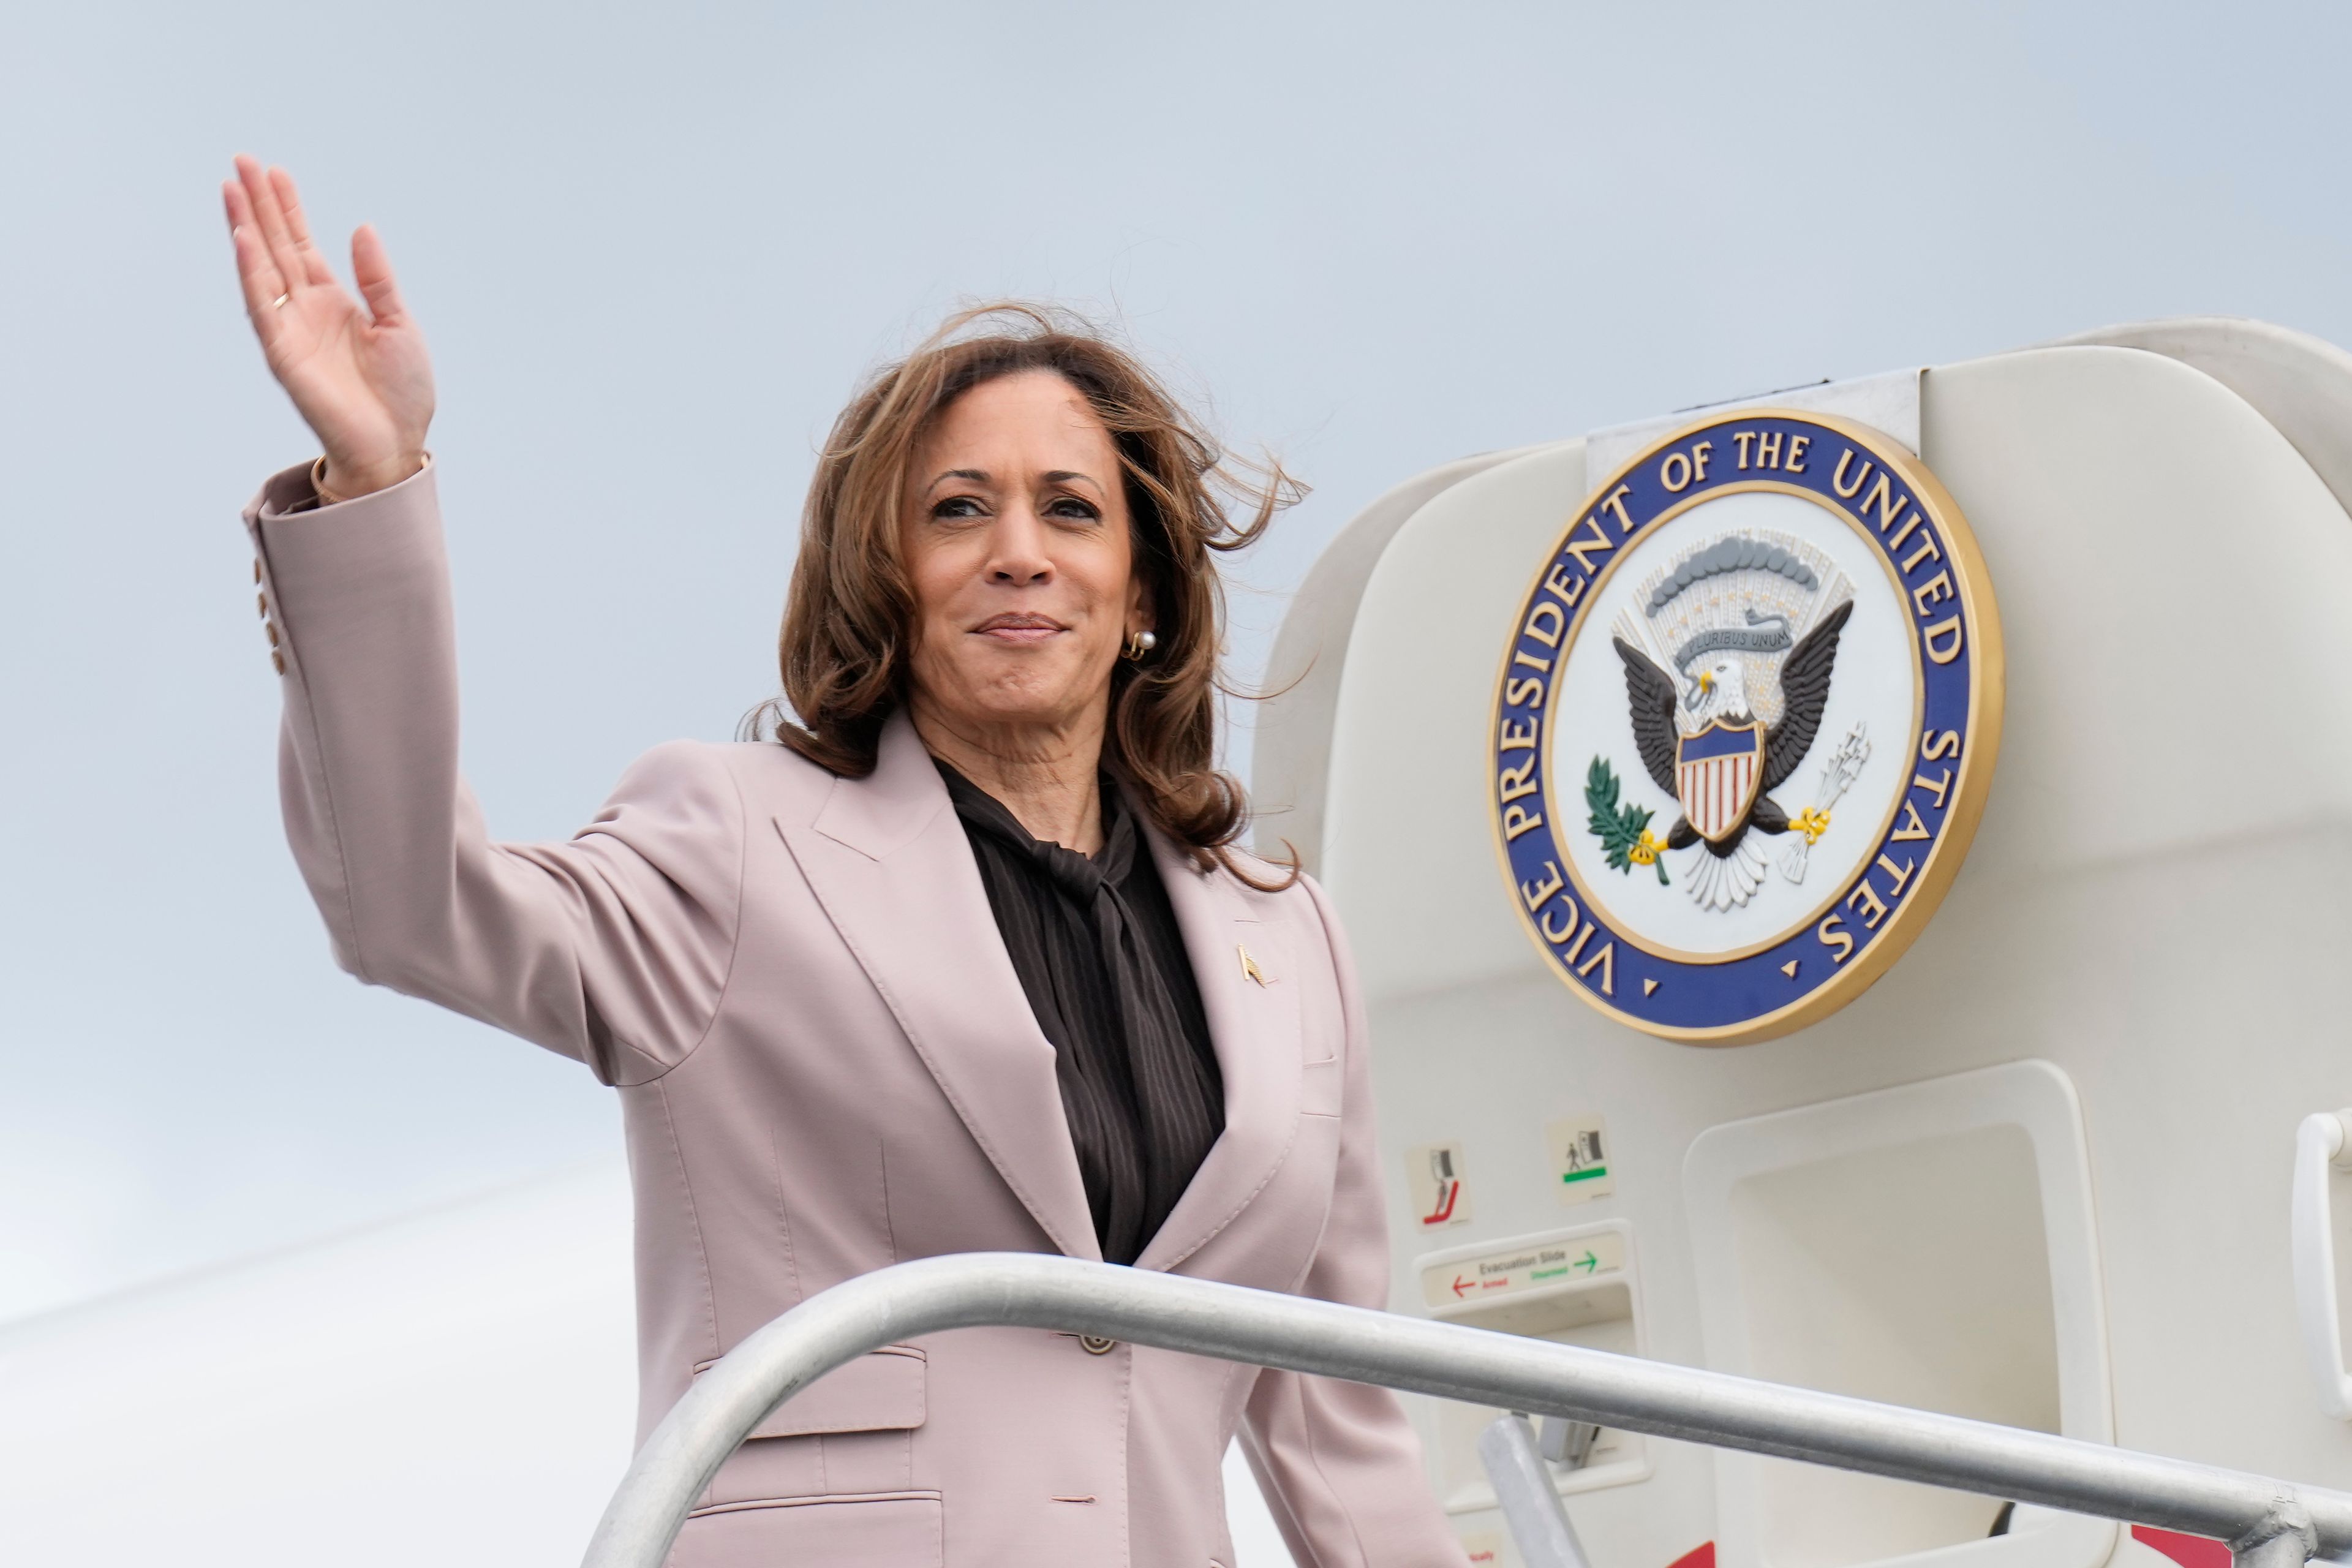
x: 1514, y: 1461
x: 2268, y: 1524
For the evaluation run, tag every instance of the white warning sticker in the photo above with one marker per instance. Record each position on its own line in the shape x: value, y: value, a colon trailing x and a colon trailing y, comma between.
x: 1437, y: 1186
x: 1530, y: 1267
x: 1579, y: 1158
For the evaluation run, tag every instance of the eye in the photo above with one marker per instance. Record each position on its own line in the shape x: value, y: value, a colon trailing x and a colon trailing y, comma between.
x: 1076, y: 508
x: 954, y: 507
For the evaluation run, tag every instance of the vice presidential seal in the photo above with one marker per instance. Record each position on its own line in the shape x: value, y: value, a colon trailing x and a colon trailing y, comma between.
x: 1745, y: 725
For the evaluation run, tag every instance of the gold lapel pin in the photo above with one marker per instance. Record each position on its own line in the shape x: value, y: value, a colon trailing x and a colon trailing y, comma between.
x: 1249, y: 965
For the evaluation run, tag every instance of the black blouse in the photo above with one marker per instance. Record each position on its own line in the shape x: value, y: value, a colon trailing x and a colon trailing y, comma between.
x: 1096, y: 943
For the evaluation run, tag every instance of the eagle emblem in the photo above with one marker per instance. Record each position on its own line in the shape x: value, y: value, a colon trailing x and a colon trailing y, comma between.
x: 1728, y: 651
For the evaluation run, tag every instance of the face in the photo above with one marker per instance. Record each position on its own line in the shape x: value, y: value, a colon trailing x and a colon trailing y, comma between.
x: 1016, y: 539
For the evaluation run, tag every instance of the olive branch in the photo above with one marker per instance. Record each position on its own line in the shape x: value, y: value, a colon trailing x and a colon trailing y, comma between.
x: 1624, y: 830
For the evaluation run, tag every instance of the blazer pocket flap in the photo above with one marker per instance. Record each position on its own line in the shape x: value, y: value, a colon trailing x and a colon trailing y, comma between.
x: 881, y: 1391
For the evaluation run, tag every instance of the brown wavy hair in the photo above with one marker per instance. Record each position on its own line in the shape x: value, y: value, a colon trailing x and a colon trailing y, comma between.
x: 849, y: 619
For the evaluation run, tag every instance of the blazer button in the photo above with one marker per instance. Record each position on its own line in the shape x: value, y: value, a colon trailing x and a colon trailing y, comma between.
x: 1093, y: 1346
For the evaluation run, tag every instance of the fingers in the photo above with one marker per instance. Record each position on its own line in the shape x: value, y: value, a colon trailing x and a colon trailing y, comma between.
x: 234, y: 203
x: 314, y: 263
x: 372, y: 271
x: 270, y: 218
x: 257, y: 273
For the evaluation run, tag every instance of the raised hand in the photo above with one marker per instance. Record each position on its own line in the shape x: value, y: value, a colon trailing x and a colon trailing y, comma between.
x: 361, y: 378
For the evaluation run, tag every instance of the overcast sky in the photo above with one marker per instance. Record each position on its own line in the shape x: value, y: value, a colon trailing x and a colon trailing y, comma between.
x: 655, y: 246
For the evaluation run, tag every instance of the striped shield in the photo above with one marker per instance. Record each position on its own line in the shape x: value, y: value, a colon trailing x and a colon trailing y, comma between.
x: 1716, y: 772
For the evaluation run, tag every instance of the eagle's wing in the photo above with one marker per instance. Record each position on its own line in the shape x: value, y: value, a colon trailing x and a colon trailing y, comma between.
x: 1651, y: 692
x: 1804, y: 692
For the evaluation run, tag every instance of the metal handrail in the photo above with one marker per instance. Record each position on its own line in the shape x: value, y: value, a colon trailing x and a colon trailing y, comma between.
x: 2268, y: 1524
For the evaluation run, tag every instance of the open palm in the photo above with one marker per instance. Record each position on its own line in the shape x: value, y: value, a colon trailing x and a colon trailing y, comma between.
x: 359, y: 377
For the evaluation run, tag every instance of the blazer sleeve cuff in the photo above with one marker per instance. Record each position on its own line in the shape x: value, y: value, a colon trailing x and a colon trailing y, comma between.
x: 291, y: 492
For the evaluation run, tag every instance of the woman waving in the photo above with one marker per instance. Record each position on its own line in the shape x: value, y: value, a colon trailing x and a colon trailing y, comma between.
x: 965, y: 958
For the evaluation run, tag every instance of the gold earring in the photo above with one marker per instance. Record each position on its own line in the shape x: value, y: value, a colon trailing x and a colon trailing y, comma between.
x: 1141, y: 643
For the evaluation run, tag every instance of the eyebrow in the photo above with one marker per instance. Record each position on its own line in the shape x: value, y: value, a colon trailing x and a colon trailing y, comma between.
x: 981, y: 476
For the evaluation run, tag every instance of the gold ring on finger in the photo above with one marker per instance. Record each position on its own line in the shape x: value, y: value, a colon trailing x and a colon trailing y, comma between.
x: 280, y: 303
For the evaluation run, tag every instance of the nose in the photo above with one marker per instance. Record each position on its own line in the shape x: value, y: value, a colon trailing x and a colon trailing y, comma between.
x: 1017, y: 556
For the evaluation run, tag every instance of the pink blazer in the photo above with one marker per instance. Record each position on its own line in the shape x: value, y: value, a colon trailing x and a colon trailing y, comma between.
x: 827, y: 1065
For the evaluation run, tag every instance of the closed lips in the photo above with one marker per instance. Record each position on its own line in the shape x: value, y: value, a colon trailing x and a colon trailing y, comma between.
x: 1019, y: 629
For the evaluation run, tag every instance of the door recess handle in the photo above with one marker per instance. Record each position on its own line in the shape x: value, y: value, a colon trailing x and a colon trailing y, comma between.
x: 2322, y: 1145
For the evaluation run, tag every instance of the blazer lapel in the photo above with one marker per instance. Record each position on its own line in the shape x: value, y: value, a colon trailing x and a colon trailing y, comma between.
x: 1254, y: 1028
x: 886, y: 856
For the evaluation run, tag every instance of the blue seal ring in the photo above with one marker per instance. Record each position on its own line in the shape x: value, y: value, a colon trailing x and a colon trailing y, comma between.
x: 1810, y: 970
